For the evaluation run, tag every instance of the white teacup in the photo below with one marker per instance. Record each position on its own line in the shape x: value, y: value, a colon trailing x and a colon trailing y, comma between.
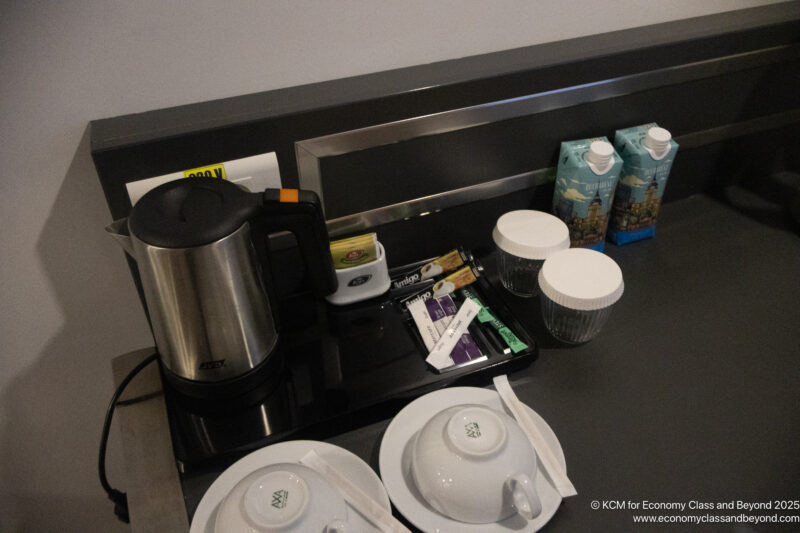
x: 282, y: 498
x: 474, y: 464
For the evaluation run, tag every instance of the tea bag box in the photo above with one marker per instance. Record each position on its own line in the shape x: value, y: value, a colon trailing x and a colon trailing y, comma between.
x: 587, y: 175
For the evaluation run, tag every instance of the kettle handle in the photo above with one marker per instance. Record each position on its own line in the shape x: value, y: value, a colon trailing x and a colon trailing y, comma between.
x: 300, y: 212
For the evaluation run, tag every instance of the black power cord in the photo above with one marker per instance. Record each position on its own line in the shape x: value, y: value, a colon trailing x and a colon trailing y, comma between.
x: 119, y: 498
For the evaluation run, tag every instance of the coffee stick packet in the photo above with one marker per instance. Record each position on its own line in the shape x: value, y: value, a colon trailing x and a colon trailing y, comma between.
x: 430, y: 270
x: 465, y: 349
x: 458, y: 279
x: 486, y: 316
x: 440, y: 356
x: 432, y: 317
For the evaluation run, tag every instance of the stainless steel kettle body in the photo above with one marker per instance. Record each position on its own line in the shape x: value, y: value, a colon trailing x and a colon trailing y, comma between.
x: 201, y: 273
x: 209, y: 311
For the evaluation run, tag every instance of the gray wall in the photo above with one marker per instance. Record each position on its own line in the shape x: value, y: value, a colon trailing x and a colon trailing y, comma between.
x: 68, y: 305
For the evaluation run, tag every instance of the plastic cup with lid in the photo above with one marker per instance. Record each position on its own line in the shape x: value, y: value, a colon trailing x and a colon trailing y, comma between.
x: 524, y: 239
x: 579, y: 288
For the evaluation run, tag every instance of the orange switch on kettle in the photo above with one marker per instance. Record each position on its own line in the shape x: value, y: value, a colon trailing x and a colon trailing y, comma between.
x: 289, y: 195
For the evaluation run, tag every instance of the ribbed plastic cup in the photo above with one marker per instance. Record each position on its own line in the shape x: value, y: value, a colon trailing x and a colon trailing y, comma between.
x: 579, y: 288
x: 524, y: 240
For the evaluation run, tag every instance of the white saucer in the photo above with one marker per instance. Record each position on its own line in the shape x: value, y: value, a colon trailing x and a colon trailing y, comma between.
x: 352, y: 466
x: 395, y: 464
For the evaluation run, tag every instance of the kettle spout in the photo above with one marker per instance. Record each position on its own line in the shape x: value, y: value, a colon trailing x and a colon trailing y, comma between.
x: 119, y: 230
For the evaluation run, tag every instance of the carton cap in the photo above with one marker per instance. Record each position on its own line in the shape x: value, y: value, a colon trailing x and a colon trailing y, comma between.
x: 657, y: 142
x: 600, y: 156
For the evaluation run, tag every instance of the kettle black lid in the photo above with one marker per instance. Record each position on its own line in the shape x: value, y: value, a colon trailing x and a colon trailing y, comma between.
x: 191, y: 212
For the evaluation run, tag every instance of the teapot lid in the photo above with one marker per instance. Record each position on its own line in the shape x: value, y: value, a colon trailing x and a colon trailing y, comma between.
x: 191, y: 212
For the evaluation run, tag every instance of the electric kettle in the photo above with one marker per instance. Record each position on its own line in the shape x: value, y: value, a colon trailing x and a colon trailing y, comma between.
x: 200, y: 247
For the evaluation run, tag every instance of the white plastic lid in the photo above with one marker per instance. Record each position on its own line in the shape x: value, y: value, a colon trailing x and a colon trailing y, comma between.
x: 530, y: 234
x: 657, y: 142
x: 600, y: 156
x: 581, y: 279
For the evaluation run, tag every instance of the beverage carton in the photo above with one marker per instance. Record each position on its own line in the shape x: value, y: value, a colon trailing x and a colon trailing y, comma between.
x: 647, y: 152
x: 587, y: 175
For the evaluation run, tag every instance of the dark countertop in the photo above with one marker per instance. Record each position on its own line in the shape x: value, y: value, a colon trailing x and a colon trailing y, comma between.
x: 692, y: 390
x: 690, y: 393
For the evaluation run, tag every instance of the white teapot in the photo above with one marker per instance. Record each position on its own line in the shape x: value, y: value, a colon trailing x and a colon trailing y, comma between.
x: 474, y: 464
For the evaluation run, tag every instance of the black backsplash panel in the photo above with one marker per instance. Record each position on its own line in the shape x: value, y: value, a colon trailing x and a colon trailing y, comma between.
x: 723, y: 121
x: 437, y: 163
x: 158, y: 142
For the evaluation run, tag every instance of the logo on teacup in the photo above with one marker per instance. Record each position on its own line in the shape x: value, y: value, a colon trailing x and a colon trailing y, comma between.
x: 473, y: 430
x: 279, y: 498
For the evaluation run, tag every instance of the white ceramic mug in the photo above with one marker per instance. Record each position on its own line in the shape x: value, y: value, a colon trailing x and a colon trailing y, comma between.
x: 284, y: 497
x: 474, y: 464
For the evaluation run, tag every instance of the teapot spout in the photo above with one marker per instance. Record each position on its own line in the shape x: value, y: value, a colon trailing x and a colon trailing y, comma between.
x: 119, y: 230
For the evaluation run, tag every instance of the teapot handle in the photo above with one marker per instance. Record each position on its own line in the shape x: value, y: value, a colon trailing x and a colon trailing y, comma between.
x: 524, y: 497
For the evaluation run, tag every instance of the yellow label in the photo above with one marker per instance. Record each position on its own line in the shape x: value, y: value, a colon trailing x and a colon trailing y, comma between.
x: 209, y: 171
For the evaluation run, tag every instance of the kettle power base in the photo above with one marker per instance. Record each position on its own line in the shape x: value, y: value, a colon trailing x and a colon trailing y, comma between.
x: 344, y: 367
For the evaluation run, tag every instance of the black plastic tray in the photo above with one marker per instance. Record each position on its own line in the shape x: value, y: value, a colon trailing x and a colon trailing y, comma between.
x: 345, y: 367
